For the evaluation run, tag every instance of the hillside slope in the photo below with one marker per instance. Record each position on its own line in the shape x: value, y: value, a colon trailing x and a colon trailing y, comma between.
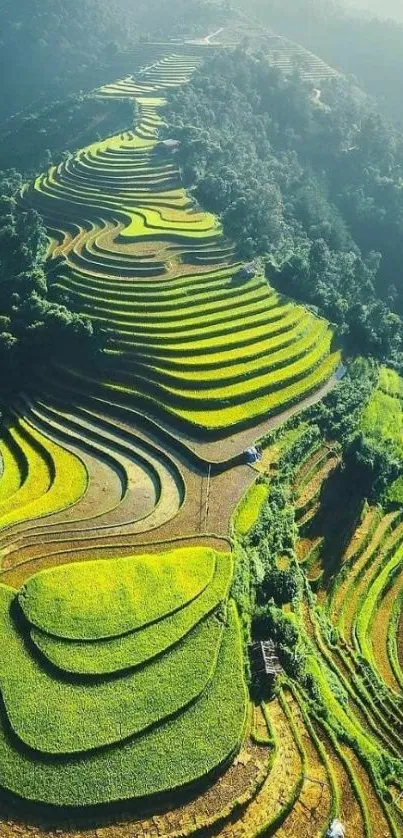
x: 199, y: 484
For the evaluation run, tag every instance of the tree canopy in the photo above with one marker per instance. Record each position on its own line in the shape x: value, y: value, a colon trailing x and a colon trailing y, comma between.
x: 32, y: 326
x: 50, y: 48
x: 369, y: 46
x: 314, y: 186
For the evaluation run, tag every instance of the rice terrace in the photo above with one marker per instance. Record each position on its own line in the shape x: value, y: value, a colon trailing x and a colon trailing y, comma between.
x: 201, y: 507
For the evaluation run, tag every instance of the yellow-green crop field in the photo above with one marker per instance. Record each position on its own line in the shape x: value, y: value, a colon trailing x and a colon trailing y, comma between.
x: 382, y: 420
x: 131, y: 183
x: 123, y: 670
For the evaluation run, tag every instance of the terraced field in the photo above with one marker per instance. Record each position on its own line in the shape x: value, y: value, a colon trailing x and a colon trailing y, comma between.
x: 197, y: 361
x: 215, y: 353
x: 123, y: 678
x: 352, y: 624
x: 286, y: 55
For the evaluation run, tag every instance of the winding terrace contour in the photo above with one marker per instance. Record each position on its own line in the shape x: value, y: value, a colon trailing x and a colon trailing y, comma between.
x: 139, y: 460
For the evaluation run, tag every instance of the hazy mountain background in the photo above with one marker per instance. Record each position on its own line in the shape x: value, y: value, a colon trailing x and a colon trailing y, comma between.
x: 379, y: 8
x: 48, y: 48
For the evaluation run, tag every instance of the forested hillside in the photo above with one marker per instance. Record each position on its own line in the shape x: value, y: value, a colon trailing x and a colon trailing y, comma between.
x: 49, y: 48
x: 313, y: 184
x: 362, y: 45
x: 374, y: 8
x: 201, y: 457
x: 31, y: 326
x: 54, y: 41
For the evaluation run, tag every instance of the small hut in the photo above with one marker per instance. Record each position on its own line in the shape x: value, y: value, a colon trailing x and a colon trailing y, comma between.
x: 246, y: 272
x: 264, y: 661
x: 168, y: 145
x: 252, y: 455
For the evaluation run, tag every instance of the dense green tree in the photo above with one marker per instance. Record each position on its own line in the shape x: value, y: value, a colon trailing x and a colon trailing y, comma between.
x: 371, y: 465
x: 33, y: 328
x: 316, y: 189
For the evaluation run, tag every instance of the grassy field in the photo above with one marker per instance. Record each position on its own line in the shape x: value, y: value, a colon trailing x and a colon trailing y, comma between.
x: 135, y: 648
x: 382, y: 420
x: 107, y: 598
x: 171, y: 754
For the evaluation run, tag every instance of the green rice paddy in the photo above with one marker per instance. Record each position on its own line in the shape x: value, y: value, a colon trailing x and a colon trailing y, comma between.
x: 52, y: 715
x: 382, y: 420
x: 107, y: 598
x: 135, y: 648
x: 130, y: 184
x: 167, y: 756
x: 123, y: 668
x: 250, y: 507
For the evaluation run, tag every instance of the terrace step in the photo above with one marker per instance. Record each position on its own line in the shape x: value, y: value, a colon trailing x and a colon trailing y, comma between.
x: 162, y: 502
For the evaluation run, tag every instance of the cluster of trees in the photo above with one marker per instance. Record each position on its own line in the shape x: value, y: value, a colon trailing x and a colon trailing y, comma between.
x: 273, y: 537
x: 368, y: 464
x: 374, y: 466
x: 315, y: 186
x: 341, y: 285
x: 275, y: 533
x: 338, y: 415
x: 32, y: 327
x: 46, y: 44
x: 59, y: 128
